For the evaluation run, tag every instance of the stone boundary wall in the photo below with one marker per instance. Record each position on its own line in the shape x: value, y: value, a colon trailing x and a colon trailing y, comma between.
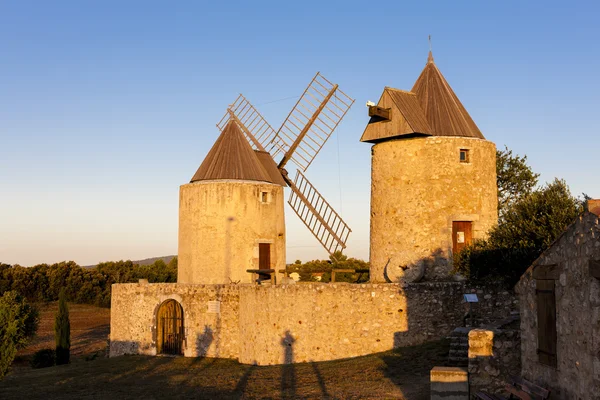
x: 133, y: 318
x: 494, y: 356
x: 280, y: 324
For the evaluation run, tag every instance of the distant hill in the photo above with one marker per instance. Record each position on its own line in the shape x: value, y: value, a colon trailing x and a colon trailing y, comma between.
x: 152, y: 260
x: 146, y: 261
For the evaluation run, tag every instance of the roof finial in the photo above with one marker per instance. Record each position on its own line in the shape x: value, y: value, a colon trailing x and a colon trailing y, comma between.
x: 430, y: 58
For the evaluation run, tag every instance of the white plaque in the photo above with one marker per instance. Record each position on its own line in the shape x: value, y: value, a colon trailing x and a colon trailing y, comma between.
x: 460, y: 237
x: 214, y: 307
x: 471, y: 298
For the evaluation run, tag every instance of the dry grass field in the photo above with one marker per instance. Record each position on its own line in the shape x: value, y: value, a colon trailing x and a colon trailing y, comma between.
x: 90, y: 327
x: 400, y: 374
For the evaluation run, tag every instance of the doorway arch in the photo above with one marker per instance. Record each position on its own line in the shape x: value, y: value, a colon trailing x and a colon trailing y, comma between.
x: 169, y: 332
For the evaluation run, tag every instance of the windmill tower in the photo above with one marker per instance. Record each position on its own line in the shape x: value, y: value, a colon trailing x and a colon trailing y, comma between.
x: 231, y: 214
x: 433, y: 180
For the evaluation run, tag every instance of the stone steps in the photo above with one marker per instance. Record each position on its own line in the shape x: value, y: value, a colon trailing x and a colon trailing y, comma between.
x: 458, y: 355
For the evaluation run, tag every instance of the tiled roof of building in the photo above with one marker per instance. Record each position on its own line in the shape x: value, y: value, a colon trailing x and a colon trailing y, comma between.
x: 430, y: 108
x: 410, y: 107
x: 444, y: 112
x: 232, y: 157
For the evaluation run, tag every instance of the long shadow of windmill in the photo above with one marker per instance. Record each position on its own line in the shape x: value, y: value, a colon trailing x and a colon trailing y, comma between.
x: 299, y: 139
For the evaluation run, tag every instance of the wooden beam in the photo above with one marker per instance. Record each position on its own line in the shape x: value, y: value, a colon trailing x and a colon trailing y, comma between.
x: 383, y: 113
x: 595, y: 268
x: 304, y: 131
x: 552, y: 271
x: 257, y: 272
x: 324, y: 223
x: 246, y: 131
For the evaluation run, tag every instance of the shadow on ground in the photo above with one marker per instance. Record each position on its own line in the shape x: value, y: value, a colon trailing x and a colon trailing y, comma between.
x: 399, y: 374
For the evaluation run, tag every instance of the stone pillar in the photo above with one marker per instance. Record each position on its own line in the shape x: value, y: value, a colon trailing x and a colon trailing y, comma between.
x: 494, y: 355
x: 449, y: 383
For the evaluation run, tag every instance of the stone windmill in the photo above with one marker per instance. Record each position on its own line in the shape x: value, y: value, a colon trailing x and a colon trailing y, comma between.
x: 231, y: 214
x: 433, y: 180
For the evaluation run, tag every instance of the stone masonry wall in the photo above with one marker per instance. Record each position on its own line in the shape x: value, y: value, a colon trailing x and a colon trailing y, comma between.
x: 221, y: 224
x: 419, y: 187
x: 264, y: 324
x: 133, y: 318
x: 493, y: 358
x: 577, y: 375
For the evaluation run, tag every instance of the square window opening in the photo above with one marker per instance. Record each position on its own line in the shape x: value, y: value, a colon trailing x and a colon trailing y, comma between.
x: 264, y: 197
x: 464, y: 156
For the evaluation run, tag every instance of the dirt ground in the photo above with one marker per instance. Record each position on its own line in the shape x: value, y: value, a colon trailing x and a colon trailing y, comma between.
x: 90, y: 327
x: 399, y: 374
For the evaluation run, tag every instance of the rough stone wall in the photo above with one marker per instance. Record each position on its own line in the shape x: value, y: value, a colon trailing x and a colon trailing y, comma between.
x: 494, y: 304
x: 221, y: 224
x: 418, y: 187
x: 293, y: 323
x: 493, y: 358
x: 577, y: 375
x: 133, y: 318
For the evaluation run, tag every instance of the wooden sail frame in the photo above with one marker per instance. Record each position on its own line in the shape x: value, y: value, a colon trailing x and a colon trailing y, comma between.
x: 318, y: 215
x: 300, y: 138
x: 311, y: 122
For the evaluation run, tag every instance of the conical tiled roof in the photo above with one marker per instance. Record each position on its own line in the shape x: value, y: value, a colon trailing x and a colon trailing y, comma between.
x: 431, y: 108
x: 232, y: 157
x: 444, y: 112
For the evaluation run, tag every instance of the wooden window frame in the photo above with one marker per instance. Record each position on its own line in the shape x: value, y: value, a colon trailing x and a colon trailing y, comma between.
x: 467, y: 154
x: 265, y: 197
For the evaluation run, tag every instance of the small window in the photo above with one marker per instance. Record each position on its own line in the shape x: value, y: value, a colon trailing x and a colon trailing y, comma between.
x: 464, y: 156
x: 264, y: 197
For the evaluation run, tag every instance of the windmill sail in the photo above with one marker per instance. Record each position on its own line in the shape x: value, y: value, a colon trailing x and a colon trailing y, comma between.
x: 257, y: 130
x: 310, y: 123
x: 318, y: 216
x: 300, y: 138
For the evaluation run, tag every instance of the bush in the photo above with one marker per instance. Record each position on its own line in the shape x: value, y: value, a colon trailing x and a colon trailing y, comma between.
x: 43, y: 358
x: 338, y: 260
x: 528, y: 228
x: 18, y: 323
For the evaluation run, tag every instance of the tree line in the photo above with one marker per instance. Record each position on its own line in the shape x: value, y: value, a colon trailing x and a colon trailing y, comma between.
x: 43, y: 282
x: 320, y: 270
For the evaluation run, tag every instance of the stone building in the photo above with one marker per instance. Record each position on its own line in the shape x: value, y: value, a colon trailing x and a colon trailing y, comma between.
x: 560, y: 312
x: 231, y: 216
x: 440, y: 177
x: 433, y: 180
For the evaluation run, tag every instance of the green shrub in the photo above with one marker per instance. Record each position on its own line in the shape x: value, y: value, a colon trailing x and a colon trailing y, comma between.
x: 528, y: 228
x: 336, y: 261
x: 43, y: 358
x: 18, y: 323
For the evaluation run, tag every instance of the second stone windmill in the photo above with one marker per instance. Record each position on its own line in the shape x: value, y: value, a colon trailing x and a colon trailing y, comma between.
x: 231, y: 214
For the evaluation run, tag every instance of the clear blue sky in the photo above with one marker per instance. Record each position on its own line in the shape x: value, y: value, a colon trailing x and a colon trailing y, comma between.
x: 106, y: 107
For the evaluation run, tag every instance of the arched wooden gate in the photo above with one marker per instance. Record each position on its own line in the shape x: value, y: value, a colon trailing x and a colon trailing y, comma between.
x: 170, y: 332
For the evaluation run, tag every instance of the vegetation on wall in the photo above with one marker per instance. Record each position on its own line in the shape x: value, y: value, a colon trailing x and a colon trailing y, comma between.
x: 18, y: 324
x: 82, y: 285
x: 530, y: 219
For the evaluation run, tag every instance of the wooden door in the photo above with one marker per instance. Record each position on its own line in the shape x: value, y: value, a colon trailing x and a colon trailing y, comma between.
x: 264, y: 258
x: 462, y: 235
x: 170, y: 328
